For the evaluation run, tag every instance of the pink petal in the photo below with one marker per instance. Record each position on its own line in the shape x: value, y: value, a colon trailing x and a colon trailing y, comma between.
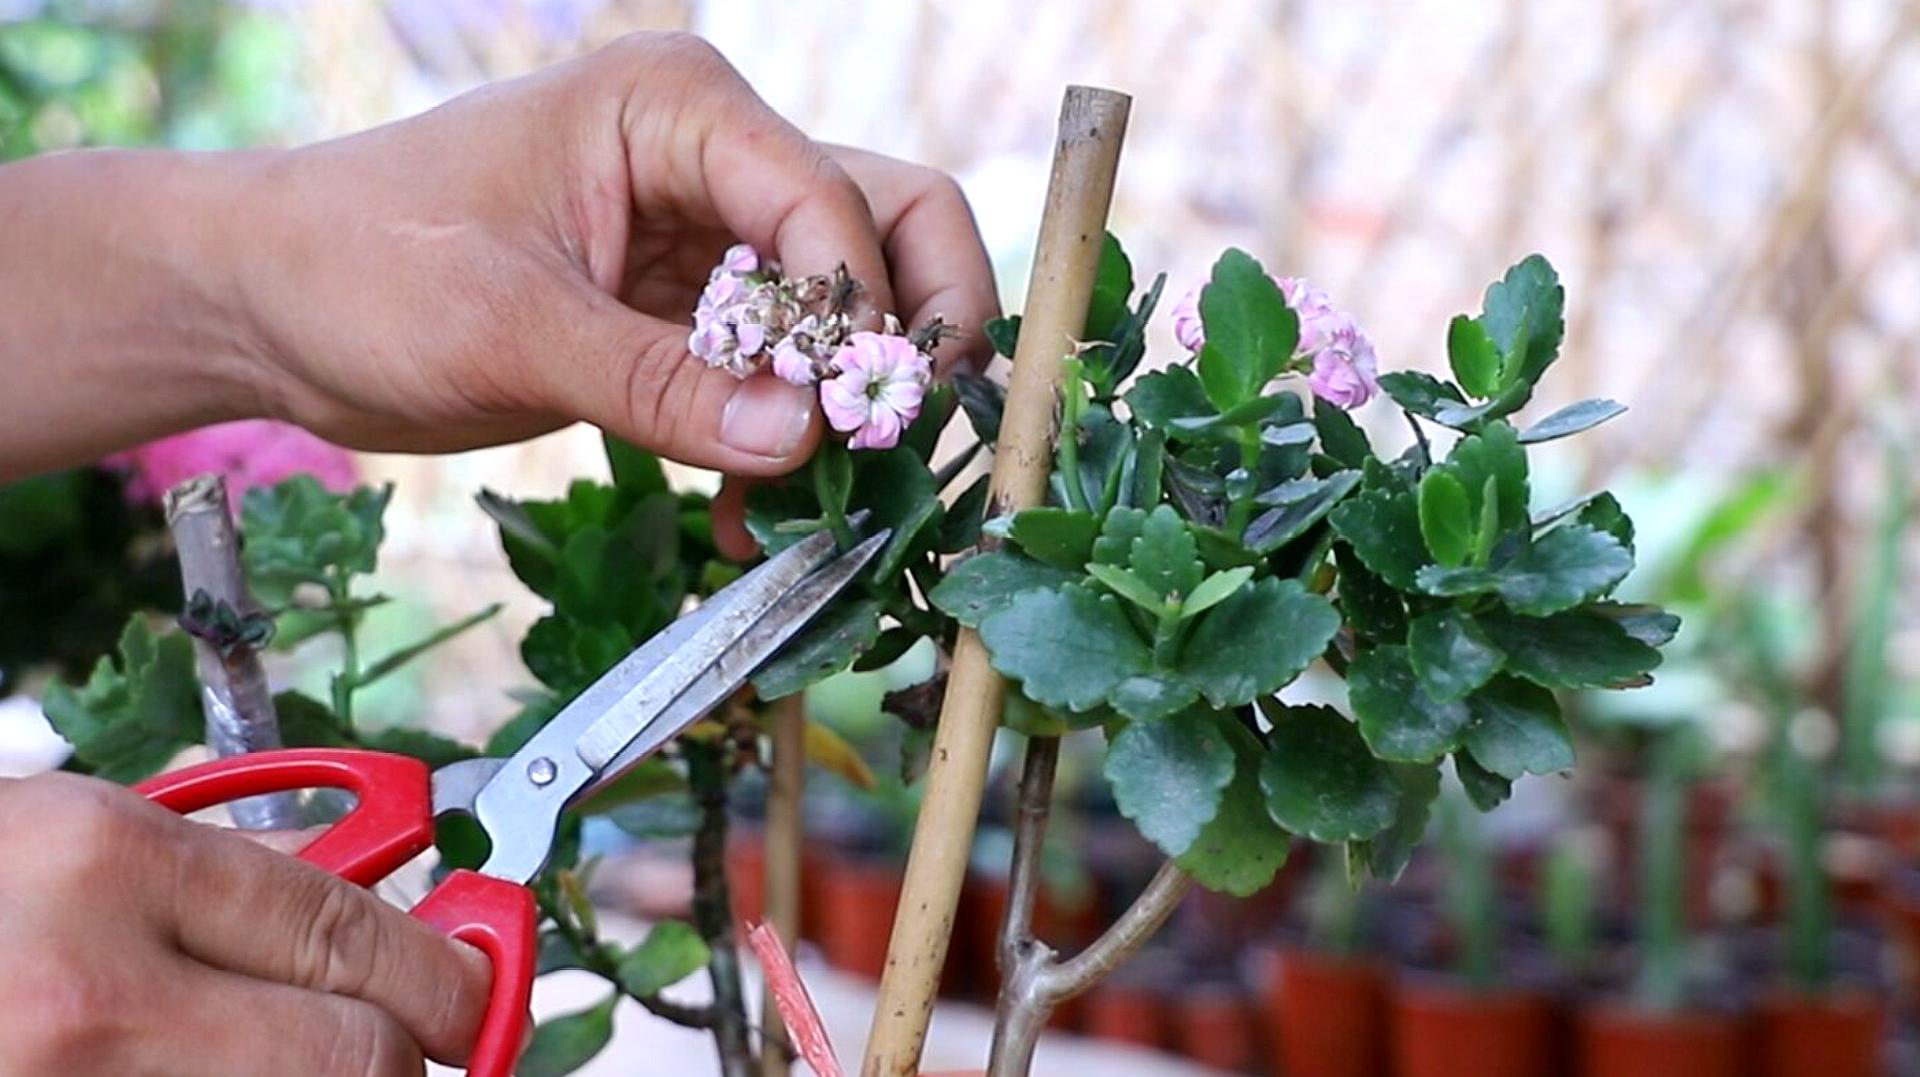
x: 847, y: 407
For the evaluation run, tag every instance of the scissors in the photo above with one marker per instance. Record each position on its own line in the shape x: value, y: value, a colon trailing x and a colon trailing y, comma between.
x: 656, y: 692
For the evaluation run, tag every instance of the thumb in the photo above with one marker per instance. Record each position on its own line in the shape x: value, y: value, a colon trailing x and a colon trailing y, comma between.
x: 631, y: 374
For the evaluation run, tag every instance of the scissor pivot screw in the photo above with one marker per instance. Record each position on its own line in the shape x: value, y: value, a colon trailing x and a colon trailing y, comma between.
x: 542, y: 771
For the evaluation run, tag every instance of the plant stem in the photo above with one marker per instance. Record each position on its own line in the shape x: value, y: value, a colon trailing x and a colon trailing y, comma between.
x: 602, y: 964
x: 348, y: 625
x: 1662, y: 878
x: 235, y: 696
x: 713, y: 909
x: 1036, y: 983
x: 832, y: 504
x: 786, y: 787
x: 1029, y: 837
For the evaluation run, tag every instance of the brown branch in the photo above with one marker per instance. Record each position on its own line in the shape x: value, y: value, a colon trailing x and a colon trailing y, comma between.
x: 786, y: 786
x: 713, y: 909
x: 234, y: 694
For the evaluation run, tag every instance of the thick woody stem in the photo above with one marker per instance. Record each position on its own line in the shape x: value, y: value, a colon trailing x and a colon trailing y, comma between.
x: 1035, y: 982
x: 1029, y: 837
x: 784, y: 834
x: 1072, y: 228
x: 713, y: 909
x: 234, y: 693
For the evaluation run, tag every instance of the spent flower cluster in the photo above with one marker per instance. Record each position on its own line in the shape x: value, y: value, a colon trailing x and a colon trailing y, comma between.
x: 751, y: 316
x: 1336, y: 353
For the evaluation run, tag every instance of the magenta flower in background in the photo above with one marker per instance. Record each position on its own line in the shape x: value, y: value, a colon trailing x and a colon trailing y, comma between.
x: 1345, y: 370
x: 250, y: 453
x: 876, y: 389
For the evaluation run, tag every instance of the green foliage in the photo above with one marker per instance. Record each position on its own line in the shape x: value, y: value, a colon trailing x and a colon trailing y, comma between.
x: 130, y: 718
x: 1168, y: 776
x: 563, y: 1044
x: 671, y: 952
x: 299, y: 532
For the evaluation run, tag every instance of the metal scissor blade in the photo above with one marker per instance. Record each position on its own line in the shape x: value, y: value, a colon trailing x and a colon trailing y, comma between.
x: 725, y: 676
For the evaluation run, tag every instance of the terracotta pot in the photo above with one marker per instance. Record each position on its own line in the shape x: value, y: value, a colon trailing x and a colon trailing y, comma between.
x: 1440, y: 1028
x: 1128, y: 1013
x: 747, y: 876
x: 1837, y: 1035
x: 815, y: 864
x: 858, y: 898
x: 1616, y: 1040
x: 1325, y: 1014
x: 1214, y: 1026
x: 976, y: 940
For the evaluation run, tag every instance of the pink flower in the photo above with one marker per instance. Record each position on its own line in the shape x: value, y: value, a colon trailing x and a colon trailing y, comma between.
x: 250, y: 453
x: 739, y: 260
x: 1318, y: 318
x: 876, y: 389
x: 1345, y: 370
x: 1186, y: 320
x: 792, y: 364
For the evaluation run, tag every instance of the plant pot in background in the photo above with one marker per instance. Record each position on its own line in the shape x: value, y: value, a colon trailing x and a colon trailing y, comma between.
x: 1325, y: 1014
x: 747, y: 875
x: 976, y: 939
x: 1831, y: 1035
x: 1623, y: 1040
x: 1214, y: 1025
x: 1442, y: 1028
x: 1128, y: 1012
x: 858, y: 897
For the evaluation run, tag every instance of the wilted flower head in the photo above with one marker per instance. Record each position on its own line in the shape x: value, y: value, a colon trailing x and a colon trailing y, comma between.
x: 249, y: 453
x: 1345, y: 369
x: 877, y: 385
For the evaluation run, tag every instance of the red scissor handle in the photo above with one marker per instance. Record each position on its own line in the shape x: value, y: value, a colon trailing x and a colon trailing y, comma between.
x: 390, y: 824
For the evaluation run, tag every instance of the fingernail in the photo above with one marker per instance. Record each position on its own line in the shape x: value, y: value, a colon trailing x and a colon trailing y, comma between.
x: 767, y: 417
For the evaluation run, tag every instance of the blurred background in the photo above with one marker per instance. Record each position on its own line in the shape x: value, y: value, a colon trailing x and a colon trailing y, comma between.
x: 1730, y: 189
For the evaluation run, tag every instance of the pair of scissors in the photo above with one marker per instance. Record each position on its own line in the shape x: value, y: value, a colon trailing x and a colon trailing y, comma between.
x: 656, y: 692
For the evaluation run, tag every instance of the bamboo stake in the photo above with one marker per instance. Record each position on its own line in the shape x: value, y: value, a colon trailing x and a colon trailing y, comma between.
x: 1085, y: 161
x: 781, y: 905
x: 234, y: 693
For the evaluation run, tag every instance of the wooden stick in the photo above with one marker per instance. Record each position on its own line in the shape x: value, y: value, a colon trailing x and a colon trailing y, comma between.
x: 1072, y: 229
x: 786, y: 784
x: 234, y: 693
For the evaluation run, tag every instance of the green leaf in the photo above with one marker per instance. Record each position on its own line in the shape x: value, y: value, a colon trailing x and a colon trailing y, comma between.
x: 1251, y: 334
x: 902, y: 494
x: 1321, y: 781
x: 563, y: 1044
x: 1256, y: 641
x: 1160, y: 398
x: 1383, y: 528
x: 1107, y: 311
x: 1399, y: 720
x: 1004, y: 335
x: 1603, y: 513
x: 1061, y: 537
x: 1522, y: 314
x: 1151, y: 696
x: 1373, y: 608
x: 305, y: 722
x: 636, y: 472
x: 1421, y: 394
x: 1106, y: 450
x: 1650, y: 625
x: 1168, y: 776
x: 300, y: 532
x: 960, y: 524
x: 1446, y: 522
x: 1572, y: 419
x: 430, y: 748
x: 1164, y: 556
x: 1298, y: 505
x: 1517, y: 730
x: 558, y: 954
x: 671, y: 952
x: 986, y: 582
x: 828, y: 647
x: 1577, y: 649
x: 1340, y: 437
x: 1127, y: 586
x: 567, y: 655
x: 1451, y: 655
x: 1215, y: 589
x: 1388, y: 852
x: 1069, y: 647
x: 1475, y: 358
x: 653, y: 777
x: 1485, y: 789
x: 129, y: 720
x: 1493, y: 455
x: 1240, y: 850
x: 1565, y: 568
x: 982, y: 398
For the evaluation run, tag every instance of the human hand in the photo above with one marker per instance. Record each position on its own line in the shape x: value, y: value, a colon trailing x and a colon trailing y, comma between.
x: 138, y: 942
x: 530, y: 254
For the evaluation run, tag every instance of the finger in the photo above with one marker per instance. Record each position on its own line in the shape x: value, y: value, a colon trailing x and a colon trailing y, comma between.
x: 937, y: 260
x: 631, y: 373
x: 240, y: 1025
x: 248, y: 910
x: 729, y: 509
x: 284, y: 842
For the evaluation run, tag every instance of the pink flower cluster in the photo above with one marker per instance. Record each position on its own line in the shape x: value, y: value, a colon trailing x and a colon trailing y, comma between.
x: 1342, y: 367
x: 750, y: 316
x: 250, y: 453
